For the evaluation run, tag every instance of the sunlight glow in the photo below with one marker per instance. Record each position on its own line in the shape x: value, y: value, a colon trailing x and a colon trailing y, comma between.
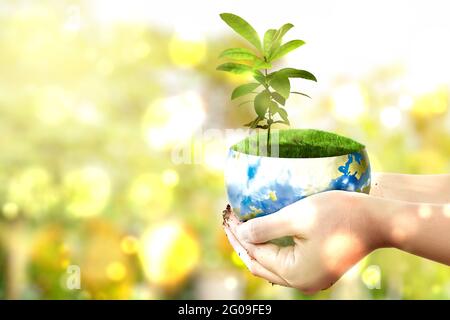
x: 337, y: 244
x: 403, y: 227
x: 87, y: 190
x: 405, y: 102
x: 52, y: 105
x: 309, y: 215
x: 170, y: 178
x: 391, y: 117
x: 214, y: 156
x: 431, y: 103
x: 73, y: 22
x: 447, y: 210
x: 173, y: 120
x: 187, y: 53
x: 116, y: 271
x: 348, y: 102
x: 425, y: 64
x: 231, y: 283
x: 10, y: 210
x: 87, y: 112
x: 33, y: 191
x: 129, y: 244
x: 170, y: 253
x: 425, y: 211
x: 149, y: 195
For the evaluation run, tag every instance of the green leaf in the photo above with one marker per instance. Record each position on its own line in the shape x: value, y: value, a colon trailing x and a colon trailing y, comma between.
x: 283, y: 114
x: 301, y: 93
x: 296, y: 73
x: 278, y: 98
x: 262, y: 127
x: 242, y: 103
x: 273, y: 107
x: 262, y: 65
x: 243, y: 28
x: 236, y: 68
x: 281, y: 84
x: 268, y: 38
x: 262, y: 103
x: 259, y: 76
x: 285, y: 49
x: 250, y: 123
x: 282, y: 31
x: 243, y: 90
x: 253, y: 124
x: 278, y: 37
x: 284, y: 122
x: 239, y: 54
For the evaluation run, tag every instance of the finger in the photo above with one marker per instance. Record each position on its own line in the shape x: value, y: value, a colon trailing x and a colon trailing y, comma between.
x: 253, y: 266
x: 270, y: 256
x: 241, y: 251
x: 295, y: 219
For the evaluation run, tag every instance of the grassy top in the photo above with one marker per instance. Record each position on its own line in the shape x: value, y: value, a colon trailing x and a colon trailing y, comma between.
x: 301, y: 143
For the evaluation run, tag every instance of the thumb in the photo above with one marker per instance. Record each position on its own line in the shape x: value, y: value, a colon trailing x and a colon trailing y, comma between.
x: 292, y: 220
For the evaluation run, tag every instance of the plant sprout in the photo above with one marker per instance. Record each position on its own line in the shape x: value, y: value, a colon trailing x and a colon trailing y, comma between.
x: 272, y: 88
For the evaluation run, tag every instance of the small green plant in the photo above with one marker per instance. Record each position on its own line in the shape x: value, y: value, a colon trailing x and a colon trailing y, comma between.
x: 272, y: 88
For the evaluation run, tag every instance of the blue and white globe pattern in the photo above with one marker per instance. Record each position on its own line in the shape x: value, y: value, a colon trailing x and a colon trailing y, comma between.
x: 258, y: 186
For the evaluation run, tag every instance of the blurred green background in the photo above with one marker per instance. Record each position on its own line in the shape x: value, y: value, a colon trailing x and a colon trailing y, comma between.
x: 96, y: 97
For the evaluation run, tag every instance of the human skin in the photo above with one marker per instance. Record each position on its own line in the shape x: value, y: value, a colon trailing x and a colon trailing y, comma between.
x: 333, y: 230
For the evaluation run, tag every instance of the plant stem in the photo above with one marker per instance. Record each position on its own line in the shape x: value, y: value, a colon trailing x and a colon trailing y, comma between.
x: 269, y: 121
x: 268, y: 138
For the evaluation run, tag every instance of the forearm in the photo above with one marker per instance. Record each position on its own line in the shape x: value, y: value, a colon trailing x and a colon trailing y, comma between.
x: 412, y: 188
x: 420, y: 229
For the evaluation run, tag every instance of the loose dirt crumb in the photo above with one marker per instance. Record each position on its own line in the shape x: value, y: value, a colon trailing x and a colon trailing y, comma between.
x: 226, y: 215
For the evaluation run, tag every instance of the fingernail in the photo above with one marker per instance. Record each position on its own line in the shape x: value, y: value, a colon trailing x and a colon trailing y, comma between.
x: 243, y: 232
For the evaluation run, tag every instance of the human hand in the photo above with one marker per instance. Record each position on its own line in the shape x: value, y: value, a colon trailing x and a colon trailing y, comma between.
x: 331, y: 232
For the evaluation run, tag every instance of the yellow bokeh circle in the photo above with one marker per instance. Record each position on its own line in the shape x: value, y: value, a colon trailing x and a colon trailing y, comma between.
x: 170, y: 253
x: 187, y: 53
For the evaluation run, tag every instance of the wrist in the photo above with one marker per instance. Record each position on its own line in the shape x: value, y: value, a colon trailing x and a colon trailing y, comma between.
x: 375, y: 218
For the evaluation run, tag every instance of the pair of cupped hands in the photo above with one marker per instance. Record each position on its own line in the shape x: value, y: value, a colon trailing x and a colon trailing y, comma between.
x: 331, y: 231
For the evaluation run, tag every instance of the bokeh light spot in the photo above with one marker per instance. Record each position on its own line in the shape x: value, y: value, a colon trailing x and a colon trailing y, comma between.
x: 10, y: 210
x: 186, y: 52
x: 340, y: 250
x: 170, y: 178
x: 431, y: 104
x: 371, y: 277
x: 87, y: 190
x: 425, y: 211
x: 391, y: 117
x: 129, y: 245
x: 116, y: 271
x: 33, y: 191
x: 349, y: 102
x: 149, y: 195
x: 173, y: 120
x: 403, y: 227
x: 231, y: 283
x: 214, y: 156
x: 141, y: 50
x: 65, y: 263
x: 447, y: 210
x: 170, y: 253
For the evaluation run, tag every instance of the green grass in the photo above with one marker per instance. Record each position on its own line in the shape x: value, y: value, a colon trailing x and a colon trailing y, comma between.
x: 300, y: 143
